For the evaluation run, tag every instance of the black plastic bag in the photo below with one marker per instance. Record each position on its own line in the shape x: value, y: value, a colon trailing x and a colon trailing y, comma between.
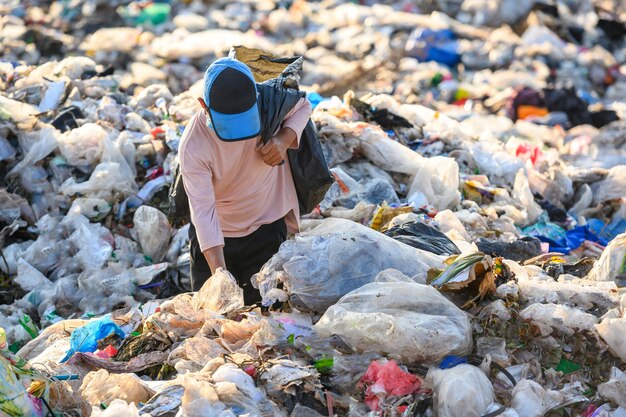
x: 518, y: 251
x: 423, y: 236
x: 309, y: 170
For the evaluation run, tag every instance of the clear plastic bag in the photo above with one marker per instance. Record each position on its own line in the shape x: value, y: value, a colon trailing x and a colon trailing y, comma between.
x: 152, y: 231
x: 101, y: 387
x: 107, y: 180
x: 338, y: 256
x: 407, y: 320
x: 83, y: 146
x: 219, y: 294
x: 41, y: 143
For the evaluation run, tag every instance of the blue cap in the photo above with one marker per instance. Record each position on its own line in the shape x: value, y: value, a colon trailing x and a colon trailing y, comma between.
x: 231, y: 97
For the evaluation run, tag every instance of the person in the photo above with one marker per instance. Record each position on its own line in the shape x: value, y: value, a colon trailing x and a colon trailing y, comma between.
x: 242, y: 197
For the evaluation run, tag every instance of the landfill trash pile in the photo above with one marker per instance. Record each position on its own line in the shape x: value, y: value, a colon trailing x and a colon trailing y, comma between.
x: 468, y: 260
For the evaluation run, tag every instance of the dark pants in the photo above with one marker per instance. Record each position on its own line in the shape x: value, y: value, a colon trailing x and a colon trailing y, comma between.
x: 244, y: 257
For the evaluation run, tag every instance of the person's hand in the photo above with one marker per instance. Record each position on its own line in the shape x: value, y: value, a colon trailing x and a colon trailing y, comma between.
x: 274, y: 151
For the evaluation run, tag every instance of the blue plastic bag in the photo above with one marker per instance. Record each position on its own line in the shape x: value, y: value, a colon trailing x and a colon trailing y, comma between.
x: 434, y: 45
x: 566, y: 241
x: 86, y: 338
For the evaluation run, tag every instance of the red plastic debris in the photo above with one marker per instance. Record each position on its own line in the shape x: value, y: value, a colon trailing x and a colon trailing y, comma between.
x: 157, y: 131
x: 107, y: 352
x: 527, y: 151
x: 385, y: 379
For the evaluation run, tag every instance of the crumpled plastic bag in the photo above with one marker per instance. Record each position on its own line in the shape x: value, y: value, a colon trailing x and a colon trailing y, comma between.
x: 42, y: 143
x: 403, y: 319
x: 117, y: 408
x: 613, y: 331
x: 567, y: 320
x: 85, y: 339
x: 531, y: 400
x: 523, y: 194
x: 436, y: 182
x: 461, y: 391
x: 108, y: 179
x: 338, y: 256
x: 102, y: 387
x: 152, y: 231
x: 612, y: 262
x: 615, y: 388
x: 83, y: 146
x: 611, y: 187
x: 219, y: 294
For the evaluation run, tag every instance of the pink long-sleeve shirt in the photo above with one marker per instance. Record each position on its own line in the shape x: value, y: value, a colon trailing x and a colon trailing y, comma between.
x: 231, y: 191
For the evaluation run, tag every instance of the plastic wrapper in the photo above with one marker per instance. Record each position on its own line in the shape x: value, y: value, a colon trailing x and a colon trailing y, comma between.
x: 402, y: 319
x: 320, y: 266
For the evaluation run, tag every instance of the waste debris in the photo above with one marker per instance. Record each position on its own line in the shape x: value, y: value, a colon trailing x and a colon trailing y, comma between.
x: 468, y: 258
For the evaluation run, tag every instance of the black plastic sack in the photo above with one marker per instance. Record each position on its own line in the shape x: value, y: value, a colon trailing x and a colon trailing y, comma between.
x: 518, y: 251
x: 178, y: 212
x: 423, y: 236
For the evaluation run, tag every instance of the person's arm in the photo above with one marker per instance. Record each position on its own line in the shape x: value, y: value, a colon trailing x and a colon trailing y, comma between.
x: 288, y: 137
x: 215, y: 258
x: 198, y: 182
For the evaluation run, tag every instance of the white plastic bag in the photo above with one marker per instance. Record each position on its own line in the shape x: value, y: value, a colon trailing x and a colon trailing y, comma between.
x: 523, y: 194
x: 613, y: 331
x: 436, y: 182
x: 107, y: 180
x: 612, y: 187
x: 92, y: 241
x: 408, y: 320
x: 494, y: 161
x: 612, y: 262
x: 336, y: 257
x: 462, y: 391
x: 29, y: 278
x: 93, y: 208
x: 219, y: 294
x: 615, y: 389
x: 567, y: 320
x: 152, y: 231
x: 386, y: 153
x: 42, y: 143
x: 83, y: 145
x: 531, y: 400
x: 117, y: 408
